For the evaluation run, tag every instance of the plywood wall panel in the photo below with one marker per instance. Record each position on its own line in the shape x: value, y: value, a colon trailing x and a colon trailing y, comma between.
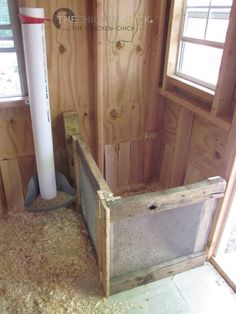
x: 166, y: 165
x: 170, y: 121
x: 124, y: 164
x: 112, y: 166
x: 27, y: 167
x: 170, y: 118
x: 193, y: 175
x: 206, y: 151
x: 136, y: 162
x: 183, y: 136
x: 15, y: 133
x: 12, y: 183
x: 70, y: 66
x: 126, y: 70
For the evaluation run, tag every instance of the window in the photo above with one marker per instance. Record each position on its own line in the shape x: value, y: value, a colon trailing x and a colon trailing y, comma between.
x: 202, y: 38
x: 12, y: 71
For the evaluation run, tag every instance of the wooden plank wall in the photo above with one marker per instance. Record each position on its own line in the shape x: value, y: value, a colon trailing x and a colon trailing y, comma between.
x: 131, y: 65
x: 111, y: 79
x: 70, y: 70
x: 210, y: 132
x: 201, y: 150
x: 206, y: 151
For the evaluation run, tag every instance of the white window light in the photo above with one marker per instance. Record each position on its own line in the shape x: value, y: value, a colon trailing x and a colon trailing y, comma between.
x: 202, y: 38
x: 12, y: 71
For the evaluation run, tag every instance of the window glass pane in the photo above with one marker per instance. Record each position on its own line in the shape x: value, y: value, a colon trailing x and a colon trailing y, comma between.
x: 6, y: 44
x: 218, y: 25
x: 9, y: 76
x: 5, y: 33
x: 224, y: 3
x: 198, y: 2
x: 195, y: 23
x: 4, y: 13
x: 201, y: 62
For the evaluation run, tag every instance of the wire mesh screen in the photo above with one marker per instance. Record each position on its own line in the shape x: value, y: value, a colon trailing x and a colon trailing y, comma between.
x: 88, y: 202
x: 145, y: 241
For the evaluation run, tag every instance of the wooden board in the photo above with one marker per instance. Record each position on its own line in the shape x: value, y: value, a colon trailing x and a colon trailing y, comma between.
x: 154, y: 106
x: 166, y: 165
x: 175, y: 140
x: 27, y: 167
x: 125, y: 72
x: 104, y: 244
x: 71, y: 126
x: 171, y: 114
x: 76, y: 169
x: 192, y: 175
x: 183, y: 136
x: 206, y: 151
x: 208, y: 210
x: 91, y: 167
x: 124, y: 165
x: 226, y: 82
x: 170, y: 121
x: 143, y: 277
x: 136, y: 162
x: 99, y: 39
x: 224, y: 207
x: 112, y: 166
x: 144, y: 204
x: 60, y: 157
x: 174, y: 28
x: 15, y: 133
x: 132, y: 61
x: 197, y: 107
x: 12, y: 184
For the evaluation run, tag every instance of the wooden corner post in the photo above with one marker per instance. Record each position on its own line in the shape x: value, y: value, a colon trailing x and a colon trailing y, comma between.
x: 104, y: 243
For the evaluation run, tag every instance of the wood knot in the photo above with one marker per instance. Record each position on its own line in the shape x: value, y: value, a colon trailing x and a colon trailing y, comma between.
x: 138, y: 48
x: 119, y: 45
x: 62, y: 49
x: 114, y: 114
x: 217, y: 155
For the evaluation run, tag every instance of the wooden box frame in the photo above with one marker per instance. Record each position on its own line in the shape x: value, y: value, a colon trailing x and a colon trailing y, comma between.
x: 110, y: 209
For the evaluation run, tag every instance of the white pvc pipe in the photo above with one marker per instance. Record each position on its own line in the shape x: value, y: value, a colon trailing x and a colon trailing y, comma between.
x: 37, y: 79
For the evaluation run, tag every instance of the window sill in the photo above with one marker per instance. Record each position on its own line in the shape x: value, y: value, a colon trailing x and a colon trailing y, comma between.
x: 12, y: 102
x: 195, y: 90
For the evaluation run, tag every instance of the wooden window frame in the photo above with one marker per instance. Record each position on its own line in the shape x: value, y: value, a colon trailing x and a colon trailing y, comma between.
x: 215, y: 106
x: 204, y: 42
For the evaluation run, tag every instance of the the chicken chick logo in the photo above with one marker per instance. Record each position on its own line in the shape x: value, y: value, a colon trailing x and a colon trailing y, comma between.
x: 62, y: 18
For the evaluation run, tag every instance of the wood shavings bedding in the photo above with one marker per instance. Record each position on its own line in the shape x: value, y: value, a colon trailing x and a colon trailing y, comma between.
x: 61, y: 198
x: 151, y: 187
x: 47, y: 266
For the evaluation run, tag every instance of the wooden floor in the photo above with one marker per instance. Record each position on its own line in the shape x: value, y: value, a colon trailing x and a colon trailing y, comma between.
x: 47, y: 266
